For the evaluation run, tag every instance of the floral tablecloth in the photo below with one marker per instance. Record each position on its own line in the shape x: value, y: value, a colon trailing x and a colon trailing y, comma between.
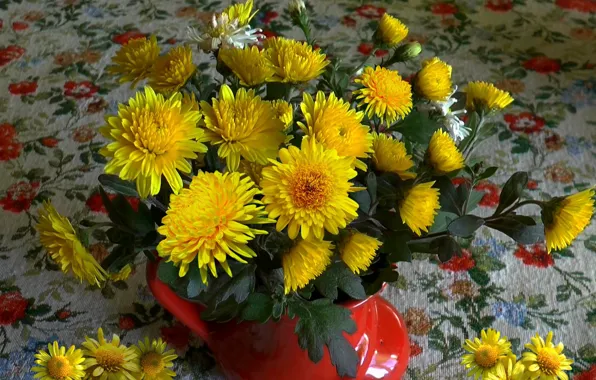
x: 55, y: 93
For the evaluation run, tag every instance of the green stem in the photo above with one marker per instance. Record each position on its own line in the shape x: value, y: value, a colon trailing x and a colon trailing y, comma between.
x: 361, y: 65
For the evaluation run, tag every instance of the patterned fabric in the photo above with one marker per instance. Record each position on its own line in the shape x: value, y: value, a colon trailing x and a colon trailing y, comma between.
x: 53, y: 55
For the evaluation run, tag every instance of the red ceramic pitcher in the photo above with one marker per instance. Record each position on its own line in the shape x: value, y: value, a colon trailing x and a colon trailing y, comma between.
x: 270, y: 351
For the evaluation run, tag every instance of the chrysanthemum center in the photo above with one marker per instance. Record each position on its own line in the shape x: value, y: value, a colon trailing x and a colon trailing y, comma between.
x: 152, y: 363
x: 486, y: 356
x: 59, y: 368
x: 548, y: 361
x: 109, y: 359
x: 154, y: 132
x: 310, y: 188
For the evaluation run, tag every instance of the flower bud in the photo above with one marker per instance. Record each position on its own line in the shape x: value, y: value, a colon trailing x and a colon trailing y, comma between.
x: 296, y: 7
x: 407, y: 52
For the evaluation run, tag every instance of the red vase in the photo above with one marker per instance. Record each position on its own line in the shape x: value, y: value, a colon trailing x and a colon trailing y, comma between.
x: 270, y: 351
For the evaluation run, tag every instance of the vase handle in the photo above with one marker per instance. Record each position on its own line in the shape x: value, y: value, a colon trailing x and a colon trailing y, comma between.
x: 185, y: 311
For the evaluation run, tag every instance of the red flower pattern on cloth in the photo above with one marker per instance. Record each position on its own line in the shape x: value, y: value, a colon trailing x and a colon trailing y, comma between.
x: 269, y: 16
x: 10, y: 148
x: 499, y: 5
x: 19, y: 196
x: 525, y: 122
x: 126, y: 323
x: 178, y: 336
x: 49, y: 142
x: 10, y: 53
x: 491, y: 193
x: 19, y: 26
x: 534, y: 255
x: 370, y: 11
x: 95, y: 203
x: 415, y: 349
x: 366, y: 48
x: 23, y: 88
x: 590, y: 374
x: 543, y: 65
x: 444, y: 9
x: 461, y: 263
x: 12, y: 308
x: 80, y: 90
x: 124, y: 38
x: 586, y: 6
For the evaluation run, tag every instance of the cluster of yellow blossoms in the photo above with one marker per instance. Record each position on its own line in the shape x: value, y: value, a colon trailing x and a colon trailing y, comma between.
x: 102, y: 359
x: 304, y: 189
x: 490, y: 358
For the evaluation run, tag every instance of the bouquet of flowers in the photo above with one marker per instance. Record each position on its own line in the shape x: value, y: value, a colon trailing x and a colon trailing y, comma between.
x: 288, y: 182
x: 490, y: 357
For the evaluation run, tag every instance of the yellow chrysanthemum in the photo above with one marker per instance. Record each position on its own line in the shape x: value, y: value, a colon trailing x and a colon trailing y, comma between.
x: 59, y: 238
x: 109, y: 360
x: 510, y: 370
x: 252, y: 169
x: 59, y: 364
x: 189, y: 99
x: 487, y: 354
x: 171, y: 71
x: 294, y: 61
x: 243, y: 125
x: 123, y: 274
x: 487, y: 95
x: 284, y: 112
x: 154, y: 361
x: 385, y: 94
x: 546, y: 361
x: 134, y: 60
x: 242, y: 12
x: 308, y: 190
x: 335, y: 125
x: 152, y: 136
x: 564, y: 219
x: 442, y: 153
x: 390, y: 155
x: 419, y: 207
x: 209, y: 220
x: 305, y: 261
x: 433, y: 81
x: 358, y: 250
x: 391, y: 31
x: 249, y: 64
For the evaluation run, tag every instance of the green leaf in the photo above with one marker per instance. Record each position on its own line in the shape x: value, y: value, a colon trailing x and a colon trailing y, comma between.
x: 321, y: 323
x: 167, y: 272
x: 119, y: 257
x: 276, y: 90
x: 448, y: 197
x: 195, y: 286
x: 237, y: 287
x: 591, y: 243
x: 222, y: 312
x: 124, y: 216
x: 363, y: 200
x: 418, y: 127
x: 371, y: 186
x: 442, y: 220
x: 489, y: 172
x: 479, y: 276
x: 386, y: 274
x: 339, y: 276
x: 474, y: 198
x: 113, y: 182
x: 447, y: 247
x: 512, y: 190
x: 396, y: 245
x: 465, y: 225
x: 258, y: 307
x: 517, y: 230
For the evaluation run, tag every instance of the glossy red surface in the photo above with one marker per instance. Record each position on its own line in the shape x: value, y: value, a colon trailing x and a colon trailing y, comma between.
x: 270, y: 351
